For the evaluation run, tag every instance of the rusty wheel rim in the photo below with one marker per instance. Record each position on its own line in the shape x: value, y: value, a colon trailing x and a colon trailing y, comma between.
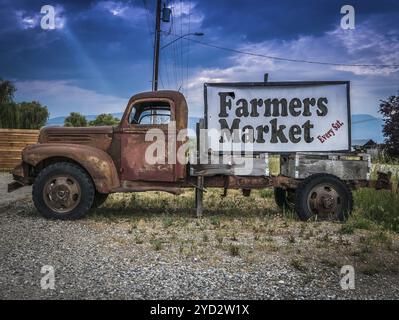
x: 62, y: 193
x: 324, y: 201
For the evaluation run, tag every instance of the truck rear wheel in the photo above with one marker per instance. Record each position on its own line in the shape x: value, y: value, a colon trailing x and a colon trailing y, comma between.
x: 285, y: 198
x: 63, y: 191
x: 324, y: 197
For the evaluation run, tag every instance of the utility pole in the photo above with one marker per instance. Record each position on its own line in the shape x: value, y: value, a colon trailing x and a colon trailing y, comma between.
x: 157, y: 41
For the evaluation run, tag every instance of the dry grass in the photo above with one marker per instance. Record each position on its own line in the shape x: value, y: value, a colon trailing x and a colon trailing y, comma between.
x: 252, y: 230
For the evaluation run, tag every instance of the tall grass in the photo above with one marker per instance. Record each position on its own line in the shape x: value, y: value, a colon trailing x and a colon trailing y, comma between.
x: 381, y: 207
x: 160, y: 203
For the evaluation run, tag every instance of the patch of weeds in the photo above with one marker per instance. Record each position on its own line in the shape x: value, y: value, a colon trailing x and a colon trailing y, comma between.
x: 342, y: 241
x: 273, y: 247
x: 370, y: 269
x: 347, y: 228
x: 132, y: 227
x: 308, y: 234
x: 380, y: 207
x: 291, y: 239
x: 257, y: 228
x: 234, y: 250
x: 383, y: 238
x: 289, y: 214
x: 285, y: 224
x: 302, y: 229
x: 325, y: 238
x: 219, y: 237
x: 167, y: 222
x: 138, y: 239
x: 329, y: 263
x: 266, y: 193
x: 366, y: 245
x: 205, y: 237
x: 233, y: 237
x: 269, y: 239
x: 215, y: 221
x: 157, y: 244
x: 307, y: 278
x: 298, y: 265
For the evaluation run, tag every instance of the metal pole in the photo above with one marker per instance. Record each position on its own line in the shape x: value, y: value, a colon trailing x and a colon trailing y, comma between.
x: 156, y: 46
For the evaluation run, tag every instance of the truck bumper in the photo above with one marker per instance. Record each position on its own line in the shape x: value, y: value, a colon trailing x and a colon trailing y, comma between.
x: 14, y: 186
x: 20, y: 178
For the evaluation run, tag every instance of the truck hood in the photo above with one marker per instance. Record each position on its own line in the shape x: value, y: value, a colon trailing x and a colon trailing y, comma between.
x: 99, y: 137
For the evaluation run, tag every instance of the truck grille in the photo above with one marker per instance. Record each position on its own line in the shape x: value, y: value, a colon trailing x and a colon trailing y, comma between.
x: 66, y: 138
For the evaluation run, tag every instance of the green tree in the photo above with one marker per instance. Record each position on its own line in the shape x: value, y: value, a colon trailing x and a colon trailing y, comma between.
x: 32, y: 115
x: 390, y: 111
x: 104, y: 119
x: 24, y: 115
x: 75, y: 119
x: 9, y: 115
x: 7, y: 90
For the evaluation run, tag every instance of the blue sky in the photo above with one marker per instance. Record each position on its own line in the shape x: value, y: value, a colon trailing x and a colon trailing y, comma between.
x: 101, y: 51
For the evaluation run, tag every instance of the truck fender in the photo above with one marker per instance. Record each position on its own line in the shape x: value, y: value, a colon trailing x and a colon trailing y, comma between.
x: 96, y: 162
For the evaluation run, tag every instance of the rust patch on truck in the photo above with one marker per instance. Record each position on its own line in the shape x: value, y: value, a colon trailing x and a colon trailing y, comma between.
x: 96, y: 162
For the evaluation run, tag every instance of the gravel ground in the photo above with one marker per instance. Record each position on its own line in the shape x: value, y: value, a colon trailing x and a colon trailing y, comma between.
x: 96, y: 260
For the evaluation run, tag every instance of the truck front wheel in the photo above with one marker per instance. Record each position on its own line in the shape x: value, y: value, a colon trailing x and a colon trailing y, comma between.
x: 63, y: 191
x: 324, y: 197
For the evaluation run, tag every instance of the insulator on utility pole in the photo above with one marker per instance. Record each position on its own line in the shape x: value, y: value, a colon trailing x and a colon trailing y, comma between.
x: 166, y: 13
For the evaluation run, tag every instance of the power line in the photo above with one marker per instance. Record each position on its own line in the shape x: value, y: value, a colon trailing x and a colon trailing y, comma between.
x: 291, y: 60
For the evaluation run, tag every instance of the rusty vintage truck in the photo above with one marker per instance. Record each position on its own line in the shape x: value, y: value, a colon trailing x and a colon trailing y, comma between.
x: 73, y: 170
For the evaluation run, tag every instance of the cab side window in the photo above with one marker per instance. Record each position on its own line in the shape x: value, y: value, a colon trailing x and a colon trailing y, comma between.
x: 150, y: 113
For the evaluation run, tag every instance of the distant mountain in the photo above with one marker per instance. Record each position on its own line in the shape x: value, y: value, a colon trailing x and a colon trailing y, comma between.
x: 364, y: 126
x: 59, y: 121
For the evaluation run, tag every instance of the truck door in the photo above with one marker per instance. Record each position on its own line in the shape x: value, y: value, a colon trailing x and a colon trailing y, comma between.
x: 145, y: 115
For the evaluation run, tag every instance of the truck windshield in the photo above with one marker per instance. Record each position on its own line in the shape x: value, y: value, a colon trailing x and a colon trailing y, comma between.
x: 148, y: 113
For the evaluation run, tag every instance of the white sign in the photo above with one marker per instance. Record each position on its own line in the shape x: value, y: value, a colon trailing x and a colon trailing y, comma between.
x: 278, y: 117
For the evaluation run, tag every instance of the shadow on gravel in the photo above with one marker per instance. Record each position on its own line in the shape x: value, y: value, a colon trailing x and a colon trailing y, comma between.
x: 149, y: 205
x: 155, y: 204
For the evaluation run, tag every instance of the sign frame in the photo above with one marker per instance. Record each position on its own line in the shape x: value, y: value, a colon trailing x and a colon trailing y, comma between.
x: 285, y: 84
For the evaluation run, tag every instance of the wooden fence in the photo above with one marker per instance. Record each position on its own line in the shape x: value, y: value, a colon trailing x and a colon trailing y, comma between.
x: 12, y: 141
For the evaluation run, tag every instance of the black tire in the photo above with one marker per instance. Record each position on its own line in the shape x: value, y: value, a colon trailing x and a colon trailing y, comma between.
x: 323, y: 196
x: 80, y: 180
x: 285, y: 199
x: 99, y: 199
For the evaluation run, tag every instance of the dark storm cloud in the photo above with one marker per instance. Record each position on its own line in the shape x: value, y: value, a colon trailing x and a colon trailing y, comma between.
x: 102, y: 50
